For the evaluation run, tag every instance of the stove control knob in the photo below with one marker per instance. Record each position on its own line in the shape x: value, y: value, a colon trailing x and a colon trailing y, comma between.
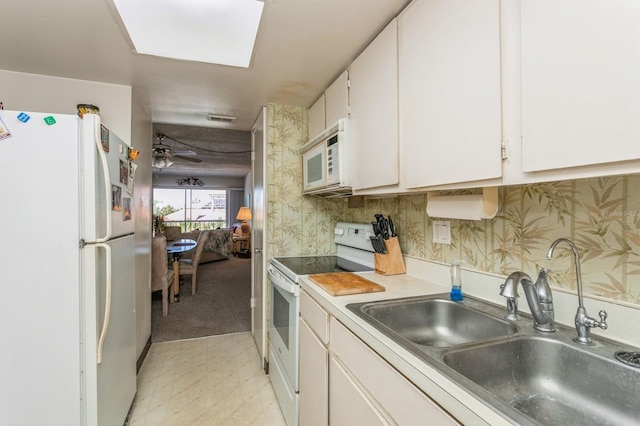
x: 338, y: 231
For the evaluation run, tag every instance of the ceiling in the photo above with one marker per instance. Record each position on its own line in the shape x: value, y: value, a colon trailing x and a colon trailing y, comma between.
x: 301, y: 47
x: 223, y: 152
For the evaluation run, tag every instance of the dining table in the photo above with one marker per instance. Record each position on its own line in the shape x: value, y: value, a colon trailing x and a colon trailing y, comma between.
x: 176, y: 248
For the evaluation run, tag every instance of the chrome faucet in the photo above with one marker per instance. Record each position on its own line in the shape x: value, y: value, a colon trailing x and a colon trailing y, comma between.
x: 538, y: 297
x: 583, y: 321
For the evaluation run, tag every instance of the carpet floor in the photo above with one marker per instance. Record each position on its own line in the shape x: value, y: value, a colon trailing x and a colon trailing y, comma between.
x: 220, y: 305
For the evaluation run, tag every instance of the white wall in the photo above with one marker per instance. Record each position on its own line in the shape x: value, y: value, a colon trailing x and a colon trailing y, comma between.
x: 42, y: 93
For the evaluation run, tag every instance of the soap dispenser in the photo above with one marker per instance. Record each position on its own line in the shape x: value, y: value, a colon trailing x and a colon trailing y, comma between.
x: 456, y: 282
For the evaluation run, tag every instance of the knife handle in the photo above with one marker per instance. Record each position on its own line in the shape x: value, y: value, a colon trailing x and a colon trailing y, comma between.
x: 378, y: 244
x: 383, y: 246
x: 392, y: 227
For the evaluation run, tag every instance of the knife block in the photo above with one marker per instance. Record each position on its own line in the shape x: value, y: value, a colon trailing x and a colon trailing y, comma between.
x: 391, y: 263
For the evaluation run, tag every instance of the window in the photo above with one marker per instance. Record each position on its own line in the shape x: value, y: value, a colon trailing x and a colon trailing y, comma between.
x: 191, y: 208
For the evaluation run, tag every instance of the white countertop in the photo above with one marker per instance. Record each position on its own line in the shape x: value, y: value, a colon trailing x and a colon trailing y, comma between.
x: 462, y: 404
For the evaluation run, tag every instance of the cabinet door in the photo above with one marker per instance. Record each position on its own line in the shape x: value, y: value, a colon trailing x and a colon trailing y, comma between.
x: 374, y: 112
x: 314, y: 379
x: 349, y: 405
x: 316, y: 118
x: 401, y: 400
x: 450, y: 117
x: 580, y: 91
x: 337, y: 100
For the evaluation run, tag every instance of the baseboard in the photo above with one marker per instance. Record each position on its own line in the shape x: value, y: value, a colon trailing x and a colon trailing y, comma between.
x: 143, y: 355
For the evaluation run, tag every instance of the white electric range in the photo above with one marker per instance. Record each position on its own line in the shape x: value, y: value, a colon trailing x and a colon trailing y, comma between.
x: 354, y: 254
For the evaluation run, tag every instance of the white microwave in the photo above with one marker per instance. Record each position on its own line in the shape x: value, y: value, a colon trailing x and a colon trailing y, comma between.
x: 324, y: 162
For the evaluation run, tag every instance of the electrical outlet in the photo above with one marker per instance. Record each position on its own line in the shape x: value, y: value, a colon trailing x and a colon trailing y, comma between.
x: 442, y: 231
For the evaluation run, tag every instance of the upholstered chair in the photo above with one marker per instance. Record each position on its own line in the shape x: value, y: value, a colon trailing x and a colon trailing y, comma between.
x: 190, y: 266
x: 161, y: 275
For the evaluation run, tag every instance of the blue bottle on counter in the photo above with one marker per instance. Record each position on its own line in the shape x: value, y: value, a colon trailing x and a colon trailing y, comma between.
x: 456, y: 282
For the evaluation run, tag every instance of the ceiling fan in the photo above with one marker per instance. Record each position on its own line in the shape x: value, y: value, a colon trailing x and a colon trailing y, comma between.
x: 163, y: 155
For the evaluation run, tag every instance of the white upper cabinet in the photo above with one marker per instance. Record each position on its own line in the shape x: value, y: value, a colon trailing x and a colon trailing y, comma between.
x: 374, y: 112
x: 337, y: 100
x: 330, y: 107
x: 580, y: 83
x: 316, y: 118
x: 489, y: 92
x: 449, y: 92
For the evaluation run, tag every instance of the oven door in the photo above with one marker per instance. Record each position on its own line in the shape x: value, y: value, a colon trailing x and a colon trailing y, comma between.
x: 283, y: 329
x: 283, y: 343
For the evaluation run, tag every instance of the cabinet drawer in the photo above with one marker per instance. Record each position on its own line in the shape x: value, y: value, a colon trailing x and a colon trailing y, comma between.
x: 316, y: 317
x: 400, y: 398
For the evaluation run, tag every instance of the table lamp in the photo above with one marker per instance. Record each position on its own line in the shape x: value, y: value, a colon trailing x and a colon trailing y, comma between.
x: 244, y: 214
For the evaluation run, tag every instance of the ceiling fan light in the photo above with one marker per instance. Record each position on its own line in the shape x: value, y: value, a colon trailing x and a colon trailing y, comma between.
x: 161, y: 162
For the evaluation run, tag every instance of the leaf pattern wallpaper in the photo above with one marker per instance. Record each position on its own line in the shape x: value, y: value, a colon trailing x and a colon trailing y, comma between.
x: 601, y: 215
x: 295, y: 225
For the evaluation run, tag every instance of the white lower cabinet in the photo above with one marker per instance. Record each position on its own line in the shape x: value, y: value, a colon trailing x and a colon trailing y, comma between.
x: 348, y: 401
x: 345, y: 382
x: 314, y: 378
x: 401, y: 399
x: 314, y: 363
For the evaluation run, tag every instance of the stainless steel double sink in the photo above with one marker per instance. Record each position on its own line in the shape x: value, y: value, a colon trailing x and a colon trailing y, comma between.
x: 529, y: 376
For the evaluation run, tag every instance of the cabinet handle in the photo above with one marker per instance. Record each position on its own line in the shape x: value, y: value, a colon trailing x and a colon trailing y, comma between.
x: 258, y: 250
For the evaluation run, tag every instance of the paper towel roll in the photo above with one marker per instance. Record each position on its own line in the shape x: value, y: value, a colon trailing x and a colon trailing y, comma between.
x: 467, y: 207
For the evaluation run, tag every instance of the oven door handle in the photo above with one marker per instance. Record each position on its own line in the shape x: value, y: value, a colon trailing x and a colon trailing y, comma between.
x: 284, y: 284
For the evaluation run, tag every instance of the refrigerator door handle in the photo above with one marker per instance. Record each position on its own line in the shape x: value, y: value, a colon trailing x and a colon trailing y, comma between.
x: 107, y: 302
x: 107, y: 179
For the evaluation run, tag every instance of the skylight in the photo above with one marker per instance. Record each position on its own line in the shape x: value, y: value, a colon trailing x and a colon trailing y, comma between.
x: 213, y: 31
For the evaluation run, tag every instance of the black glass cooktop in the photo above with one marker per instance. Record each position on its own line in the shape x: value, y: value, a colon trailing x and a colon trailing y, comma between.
x: 306, y: 265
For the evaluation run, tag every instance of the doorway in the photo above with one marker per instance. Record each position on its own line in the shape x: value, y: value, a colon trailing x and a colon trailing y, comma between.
x: 221, y: 302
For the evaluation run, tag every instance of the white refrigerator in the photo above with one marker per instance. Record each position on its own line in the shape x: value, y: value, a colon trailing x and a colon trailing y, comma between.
x: 67, y: 308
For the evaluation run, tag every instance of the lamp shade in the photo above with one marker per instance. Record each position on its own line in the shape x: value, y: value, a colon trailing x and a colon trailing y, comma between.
x: 244, y: 213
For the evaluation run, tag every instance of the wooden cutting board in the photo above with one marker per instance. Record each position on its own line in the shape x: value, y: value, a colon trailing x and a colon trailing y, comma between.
x: 344, y: 283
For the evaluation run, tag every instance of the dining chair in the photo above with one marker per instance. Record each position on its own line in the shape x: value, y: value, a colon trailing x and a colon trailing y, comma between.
x: 161, y: 275
x: 190, y: 266
x: 172, y: 233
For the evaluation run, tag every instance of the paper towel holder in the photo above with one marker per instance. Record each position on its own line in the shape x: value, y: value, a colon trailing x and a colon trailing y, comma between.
x: 467, y: 207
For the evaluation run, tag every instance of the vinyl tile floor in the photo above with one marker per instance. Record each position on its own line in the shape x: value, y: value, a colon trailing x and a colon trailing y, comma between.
x: 213, y: 380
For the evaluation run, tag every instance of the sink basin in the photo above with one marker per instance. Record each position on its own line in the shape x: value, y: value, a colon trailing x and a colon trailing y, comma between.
x: 551, y: 381
x: 432, y: 322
